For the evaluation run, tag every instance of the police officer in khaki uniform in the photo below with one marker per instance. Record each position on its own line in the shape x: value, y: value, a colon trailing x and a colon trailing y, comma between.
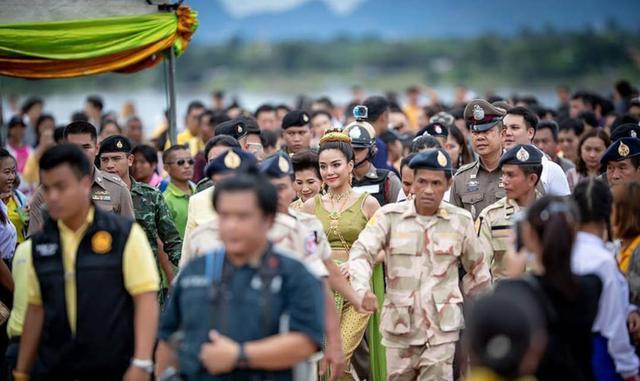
x: 477, y: 184
x: 108, y: 191
x: 425, y: 240
x: 521, y: 169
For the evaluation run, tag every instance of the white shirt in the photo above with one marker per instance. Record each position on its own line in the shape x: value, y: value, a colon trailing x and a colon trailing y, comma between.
x: 553, y: 178
x: 8, y: 235
x: 590, y: 256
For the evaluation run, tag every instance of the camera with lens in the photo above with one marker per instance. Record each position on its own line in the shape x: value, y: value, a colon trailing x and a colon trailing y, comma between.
x: 360, y: 112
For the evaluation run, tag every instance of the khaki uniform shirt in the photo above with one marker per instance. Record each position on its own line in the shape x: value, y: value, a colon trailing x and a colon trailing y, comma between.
x: 474, y: 188
x: 423, y: 300
x: 297, y: 233
x: 108, y: 192
x: 494, y: 229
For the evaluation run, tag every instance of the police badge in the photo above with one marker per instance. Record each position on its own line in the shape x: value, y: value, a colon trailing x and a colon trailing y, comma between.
x: 442, y: 160
x: 522, y: 154
x: 283, y: 164
x: 478, y: 112
x: 232, y: 160
x: 101, y: 242
x: 623, y: 150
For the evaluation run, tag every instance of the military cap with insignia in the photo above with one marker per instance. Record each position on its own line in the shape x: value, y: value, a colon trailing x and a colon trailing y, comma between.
x: 115, y: 143
x: 434, y: 129
x: 237, y: 128
x: 435, y: 159
x: 481, y: 115
x: 233, y: 160
x: 295, y: 118
x: 277, y: 166
x: 521, y: 154
x: 621, y: 149
x: 362, y: 134
x: 627, y: 130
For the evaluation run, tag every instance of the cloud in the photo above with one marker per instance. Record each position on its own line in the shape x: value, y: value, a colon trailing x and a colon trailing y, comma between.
x: 245, y: 8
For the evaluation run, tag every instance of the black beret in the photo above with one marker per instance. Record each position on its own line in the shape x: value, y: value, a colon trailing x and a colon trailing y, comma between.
x: 435, y: 129
x: 621, y: 149
x: 234, y: 128
x: 250, y: 124
x: 435, y: 159
x: 627, y: 130
x: 295, y: 118
x: 277, y: 166
x: 521, y: 154
x: 115, y: 143
x: 233, y: 160
x: 481, y: 115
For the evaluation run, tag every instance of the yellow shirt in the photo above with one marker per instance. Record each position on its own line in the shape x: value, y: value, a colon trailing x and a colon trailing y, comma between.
x: 14, y: 217
x: 31, y: 170
x: 139, y: 267
x: 412, y: 113
x: 19, y: 267
x: 195, y: 143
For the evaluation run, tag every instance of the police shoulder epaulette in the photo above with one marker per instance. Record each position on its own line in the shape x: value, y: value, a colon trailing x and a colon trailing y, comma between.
x: 396, y: 207
x: 466, y: 167
x: 114, y: 179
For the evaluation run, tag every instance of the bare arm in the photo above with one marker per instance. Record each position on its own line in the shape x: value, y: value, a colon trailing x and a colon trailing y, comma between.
x: 370, y: 207
x: 333, y: 354
x: 30, y: 338
x: 339, y: 283
x: 145, y: 324
x: 5, y: 276
x: 165, y: 358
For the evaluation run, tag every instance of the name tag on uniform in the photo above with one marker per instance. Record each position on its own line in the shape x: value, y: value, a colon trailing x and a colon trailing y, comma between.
x: 473, y: 185
x: 371, y: 189
x: 194, y: 281
x: 46, y: 249
x: 101, y: 196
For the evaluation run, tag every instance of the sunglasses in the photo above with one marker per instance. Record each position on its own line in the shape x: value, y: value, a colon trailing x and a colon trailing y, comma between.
x: 181, y: 162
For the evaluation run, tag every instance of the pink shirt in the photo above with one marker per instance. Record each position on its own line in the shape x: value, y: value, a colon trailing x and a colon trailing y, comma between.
x: 21, y: 154
x: 155, y: 181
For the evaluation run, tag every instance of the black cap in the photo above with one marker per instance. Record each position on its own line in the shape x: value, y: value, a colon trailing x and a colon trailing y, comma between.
x: 295, y: 118
x: 621, y: 149
x: 627, y: 130
x: 250, y: 125
x: 277, y: 166
x: 233, y: 160
x: 362, y: 134
x: 234, y: 128
x: 481, y: 115
x: 521, y: 154
x: 115, y: 143
x: 435, y: 129
x: 435, y: 159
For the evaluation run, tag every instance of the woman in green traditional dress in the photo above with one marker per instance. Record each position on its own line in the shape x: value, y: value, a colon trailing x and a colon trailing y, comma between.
x: 344, y: 213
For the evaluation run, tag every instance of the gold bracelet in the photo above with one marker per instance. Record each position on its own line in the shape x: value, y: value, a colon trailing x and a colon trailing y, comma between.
x: 20, y: 376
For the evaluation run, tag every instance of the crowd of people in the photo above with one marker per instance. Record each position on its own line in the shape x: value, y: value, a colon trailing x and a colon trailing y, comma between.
x: 391, y: 238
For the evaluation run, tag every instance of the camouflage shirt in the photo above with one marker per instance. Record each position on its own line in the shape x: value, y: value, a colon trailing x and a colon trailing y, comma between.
x: 298, y: 234
x: 423, y: 300
x: 152, y: 213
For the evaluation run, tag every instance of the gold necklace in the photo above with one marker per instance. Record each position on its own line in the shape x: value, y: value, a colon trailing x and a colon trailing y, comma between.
x: 344, y: 197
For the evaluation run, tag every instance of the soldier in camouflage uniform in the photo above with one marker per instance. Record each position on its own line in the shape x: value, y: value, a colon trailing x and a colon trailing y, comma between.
x: 521, y: 168
x: 424, y: 240
x: 151, y: 211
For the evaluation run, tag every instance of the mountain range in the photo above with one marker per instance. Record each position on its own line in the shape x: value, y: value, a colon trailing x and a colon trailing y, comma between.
x: 316, y: 20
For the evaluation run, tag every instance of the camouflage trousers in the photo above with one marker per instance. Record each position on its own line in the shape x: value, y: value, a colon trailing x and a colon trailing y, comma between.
x: 421, y: 363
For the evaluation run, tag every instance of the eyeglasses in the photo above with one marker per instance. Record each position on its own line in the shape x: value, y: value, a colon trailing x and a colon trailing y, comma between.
x: 181, y: 162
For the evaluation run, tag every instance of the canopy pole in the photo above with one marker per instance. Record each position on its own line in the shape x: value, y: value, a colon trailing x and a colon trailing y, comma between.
x: 171, y: 90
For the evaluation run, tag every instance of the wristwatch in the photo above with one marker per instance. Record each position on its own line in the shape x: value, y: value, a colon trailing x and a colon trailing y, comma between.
x: 243, y: 360
x: 146, y: 365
